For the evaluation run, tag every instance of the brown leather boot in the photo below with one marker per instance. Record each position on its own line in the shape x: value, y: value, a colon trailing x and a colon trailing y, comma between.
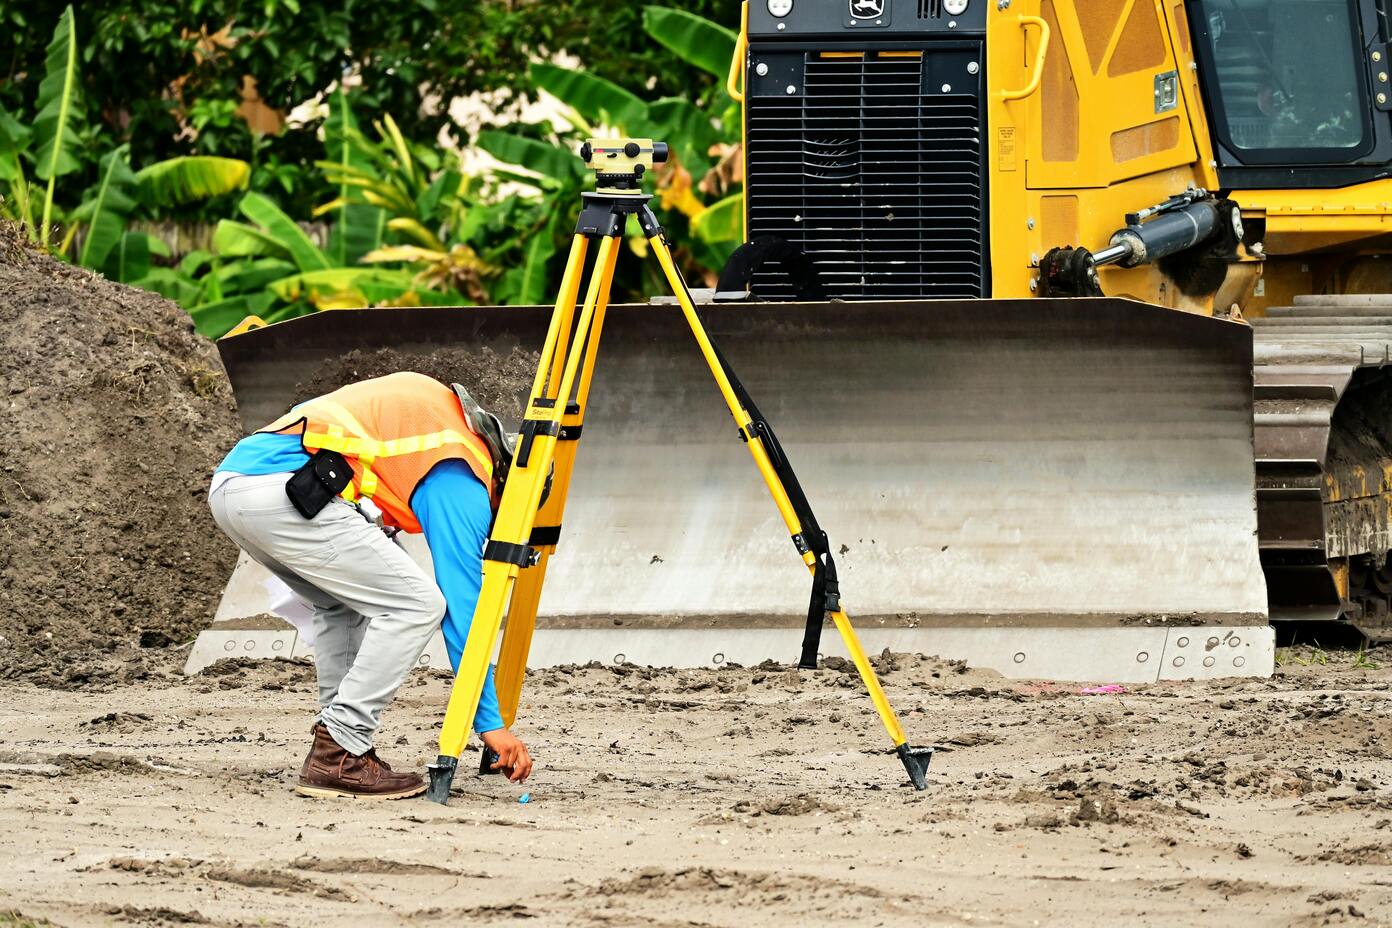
x: 330, y: 771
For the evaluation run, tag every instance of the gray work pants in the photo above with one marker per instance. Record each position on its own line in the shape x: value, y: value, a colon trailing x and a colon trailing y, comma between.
x: 374, y: 608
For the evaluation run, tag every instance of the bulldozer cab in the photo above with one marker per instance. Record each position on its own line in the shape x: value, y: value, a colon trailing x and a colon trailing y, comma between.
x: 1297, y: 92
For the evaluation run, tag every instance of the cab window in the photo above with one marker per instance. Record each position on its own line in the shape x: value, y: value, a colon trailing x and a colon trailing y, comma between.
x: 1285, y: 79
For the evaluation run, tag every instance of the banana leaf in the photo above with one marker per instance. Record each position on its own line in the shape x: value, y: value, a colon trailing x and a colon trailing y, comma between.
x: 541, y: 157
x: 722, y: 221
x: 60, y: 113
x: 234, y: 239
x: 252, y: 276
x: 383, y: 192
x: 169, y: 283
x: 338, y: 279
x: 526, y: 284
x: 712, y: 255
x: 441, y: 195
x: 695, y: 39
x: 596, y: 99
x: 176, y: 181
x: 107, y: 209
x: 214, y: 320
x: 358, y: 227
x: 195, y: 261
x: 14, y: 138
x: 129, y: 261
x: 280, y: 227
x: 541, y: 182
x: 406, y: 164
x: 689, y: 131
x: 416, y: 231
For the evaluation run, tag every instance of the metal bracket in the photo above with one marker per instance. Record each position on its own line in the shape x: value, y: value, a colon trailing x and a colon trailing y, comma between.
x: 508, y: 553
x: 544, y: 535
x: 531, y: 428
x: 1380, y: 75
x: 1166, y: 91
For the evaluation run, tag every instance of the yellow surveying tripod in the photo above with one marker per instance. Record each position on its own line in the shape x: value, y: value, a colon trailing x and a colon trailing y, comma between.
x: 528, y: 522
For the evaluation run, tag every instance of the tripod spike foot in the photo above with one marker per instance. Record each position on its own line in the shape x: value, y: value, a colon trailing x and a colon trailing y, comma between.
x: 916, y: 762
x: 441, y: 776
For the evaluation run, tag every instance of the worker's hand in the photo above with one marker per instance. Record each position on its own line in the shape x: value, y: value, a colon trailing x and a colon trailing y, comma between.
x: 513, y: 759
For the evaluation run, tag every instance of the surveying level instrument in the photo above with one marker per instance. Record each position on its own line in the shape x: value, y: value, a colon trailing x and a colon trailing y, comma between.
x: 619, y: 164
x: 527, y: 529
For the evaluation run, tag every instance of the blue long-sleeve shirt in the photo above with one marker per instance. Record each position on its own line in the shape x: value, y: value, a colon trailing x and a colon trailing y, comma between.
x: 454, y: 511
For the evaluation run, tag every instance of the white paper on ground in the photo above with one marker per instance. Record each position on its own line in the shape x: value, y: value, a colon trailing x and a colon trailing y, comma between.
x: 287, y: 604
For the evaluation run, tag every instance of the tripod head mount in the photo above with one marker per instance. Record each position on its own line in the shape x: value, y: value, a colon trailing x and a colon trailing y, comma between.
x: 619, y: 164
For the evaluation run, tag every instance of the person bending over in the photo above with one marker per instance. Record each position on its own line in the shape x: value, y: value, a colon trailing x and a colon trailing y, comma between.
x: 314, y: 498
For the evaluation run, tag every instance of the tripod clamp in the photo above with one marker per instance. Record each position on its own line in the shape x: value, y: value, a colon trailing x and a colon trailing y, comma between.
x: 603, y: 215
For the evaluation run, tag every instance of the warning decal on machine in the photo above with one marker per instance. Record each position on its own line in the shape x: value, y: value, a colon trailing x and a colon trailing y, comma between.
x: 1005, y: 148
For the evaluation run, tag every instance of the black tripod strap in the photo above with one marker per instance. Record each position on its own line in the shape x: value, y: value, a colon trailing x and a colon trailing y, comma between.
x: 826, y: 592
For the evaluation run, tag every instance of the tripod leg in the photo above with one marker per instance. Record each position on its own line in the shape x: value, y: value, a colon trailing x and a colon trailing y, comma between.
x: 508, y: 550
x: 526, y: 592
x: 558, y: 332
x: 915, y: 760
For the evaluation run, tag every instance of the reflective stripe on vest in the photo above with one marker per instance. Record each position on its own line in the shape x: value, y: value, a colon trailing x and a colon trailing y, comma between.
x: 367, y: 450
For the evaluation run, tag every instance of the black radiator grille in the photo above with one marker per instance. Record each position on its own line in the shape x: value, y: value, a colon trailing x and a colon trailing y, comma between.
x: 876, y: 180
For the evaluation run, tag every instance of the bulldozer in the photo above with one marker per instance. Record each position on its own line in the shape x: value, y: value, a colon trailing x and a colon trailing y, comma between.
x: 1075, y: 317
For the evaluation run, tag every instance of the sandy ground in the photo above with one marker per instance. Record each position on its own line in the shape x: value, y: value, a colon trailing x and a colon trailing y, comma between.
x: 739, y: 797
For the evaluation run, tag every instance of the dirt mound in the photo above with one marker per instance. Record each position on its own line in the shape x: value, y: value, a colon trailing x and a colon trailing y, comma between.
x: 499, y: 382
x: 116, y: 414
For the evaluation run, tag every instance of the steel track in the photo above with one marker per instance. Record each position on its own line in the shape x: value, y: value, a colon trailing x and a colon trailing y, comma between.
x: 1323, y: 434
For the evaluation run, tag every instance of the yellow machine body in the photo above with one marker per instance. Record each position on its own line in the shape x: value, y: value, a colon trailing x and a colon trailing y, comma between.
x: 1088, y: 145
x: 1090, y: 111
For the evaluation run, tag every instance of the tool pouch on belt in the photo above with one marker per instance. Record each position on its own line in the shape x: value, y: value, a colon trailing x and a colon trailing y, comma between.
x: 322, y: 478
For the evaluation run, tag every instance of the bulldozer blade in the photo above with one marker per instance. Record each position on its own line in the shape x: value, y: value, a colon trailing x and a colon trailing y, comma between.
x: 1058, y: 489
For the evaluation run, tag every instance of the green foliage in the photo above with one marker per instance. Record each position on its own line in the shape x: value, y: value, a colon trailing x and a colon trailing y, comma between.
x: 167, y: 75
x: 60, y: 109
x: 694, y: 39
x: 14, y: 138
x: 722, y: 221
x: 51, y: 147
x: 106, y: 208
x: 159, y: 83
x: 529, y: 281
x: 544, y: 158
x: 598, y: 100
x: 274, y: 225
x: 190, y: 178
x: 709, y: 233
x: 358, y: 227
x: 389, y: 188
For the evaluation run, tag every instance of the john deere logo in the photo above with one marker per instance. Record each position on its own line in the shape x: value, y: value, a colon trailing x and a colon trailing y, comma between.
x: 865, y: 9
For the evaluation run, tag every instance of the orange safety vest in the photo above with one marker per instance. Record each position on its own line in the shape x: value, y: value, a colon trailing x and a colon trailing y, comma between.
x: 392, y: 430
